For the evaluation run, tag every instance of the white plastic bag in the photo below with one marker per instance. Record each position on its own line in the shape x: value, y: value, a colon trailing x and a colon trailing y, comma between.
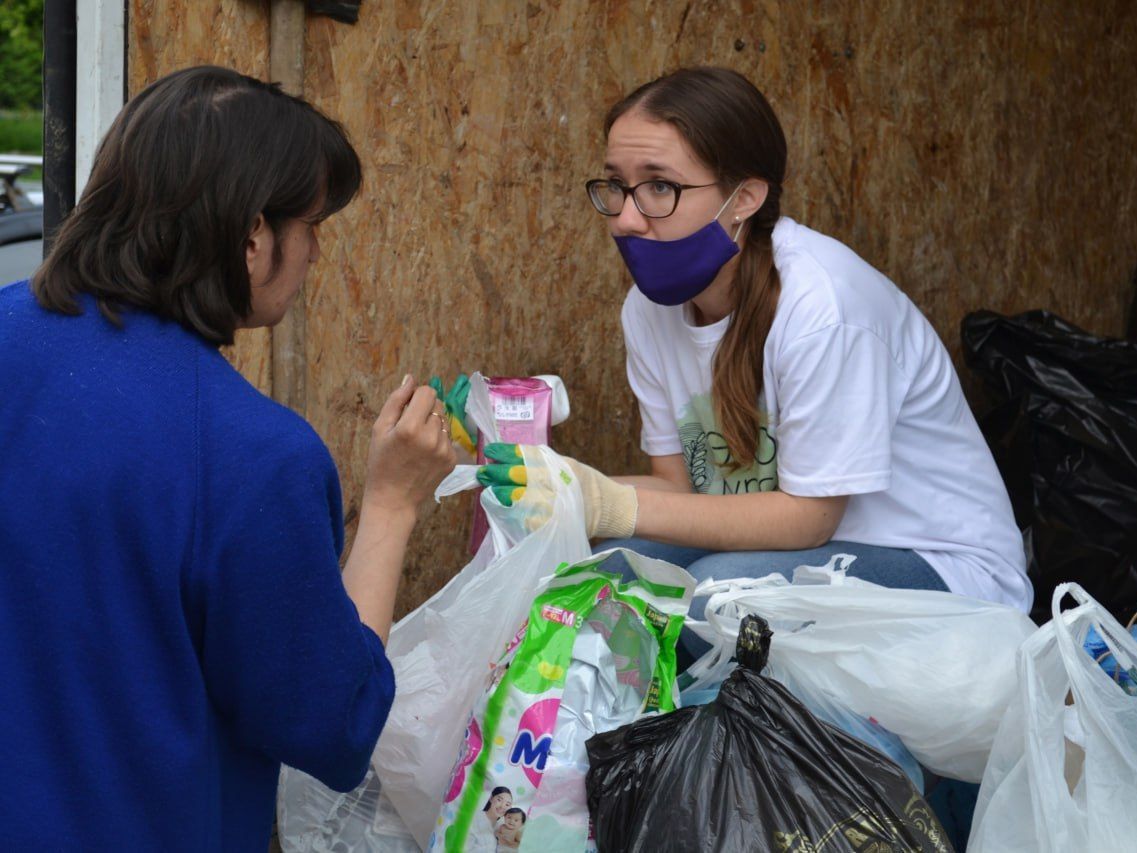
x: 443, y: 651
x: 1063, y: 777
x: 934, y: 668
x: 312, y: 818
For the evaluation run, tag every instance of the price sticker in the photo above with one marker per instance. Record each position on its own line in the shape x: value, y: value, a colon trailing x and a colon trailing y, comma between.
x: 513, y: 409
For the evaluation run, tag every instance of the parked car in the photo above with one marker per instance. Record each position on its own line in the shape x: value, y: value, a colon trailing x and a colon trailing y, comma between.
x: 21, y: 219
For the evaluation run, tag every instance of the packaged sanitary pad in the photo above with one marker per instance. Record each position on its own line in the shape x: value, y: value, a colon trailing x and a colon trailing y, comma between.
x: 522, y: 413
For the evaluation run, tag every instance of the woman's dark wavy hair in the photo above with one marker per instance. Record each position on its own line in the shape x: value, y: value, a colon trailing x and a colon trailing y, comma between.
x: 176, y: 186
x: 732, y: 128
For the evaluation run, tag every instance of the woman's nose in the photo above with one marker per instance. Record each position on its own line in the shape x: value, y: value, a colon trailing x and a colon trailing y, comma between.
x: 629, y: 220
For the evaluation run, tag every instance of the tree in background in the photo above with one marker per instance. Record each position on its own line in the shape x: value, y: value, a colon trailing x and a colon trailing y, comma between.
x: 21, y: 54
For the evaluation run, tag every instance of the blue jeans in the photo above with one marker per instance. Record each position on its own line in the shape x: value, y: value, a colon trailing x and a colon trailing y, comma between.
x: 891, y: 567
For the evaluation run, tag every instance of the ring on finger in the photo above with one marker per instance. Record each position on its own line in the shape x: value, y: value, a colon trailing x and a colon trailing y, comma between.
x: 442, y: 420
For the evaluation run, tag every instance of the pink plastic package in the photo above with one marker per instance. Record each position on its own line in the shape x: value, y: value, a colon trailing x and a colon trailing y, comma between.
x: 523, y: 414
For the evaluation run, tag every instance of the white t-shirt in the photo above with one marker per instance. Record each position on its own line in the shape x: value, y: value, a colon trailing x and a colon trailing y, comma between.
x: 860, y: 398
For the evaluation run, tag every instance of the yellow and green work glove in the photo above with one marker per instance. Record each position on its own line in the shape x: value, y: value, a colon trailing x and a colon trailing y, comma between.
x: 454, y: 404
x: 610, y: 508
x: 504, y: 474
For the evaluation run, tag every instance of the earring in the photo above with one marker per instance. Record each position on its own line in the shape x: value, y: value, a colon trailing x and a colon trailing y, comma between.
x: 737, y: 218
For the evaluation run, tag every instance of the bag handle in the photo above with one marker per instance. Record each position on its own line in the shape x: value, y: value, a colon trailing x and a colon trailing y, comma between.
x: 461, y: 479
x: 719, y: 594
x: 1116, y: 637
x: 833, y: 573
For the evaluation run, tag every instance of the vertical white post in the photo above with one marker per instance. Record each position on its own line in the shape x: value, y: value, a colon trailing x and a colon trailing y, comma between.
x: 100, y: 76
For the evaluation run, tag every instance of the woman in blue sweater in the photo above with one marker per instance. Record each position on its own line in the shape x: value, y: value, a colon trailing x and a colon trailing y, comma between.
x: 173, y: 620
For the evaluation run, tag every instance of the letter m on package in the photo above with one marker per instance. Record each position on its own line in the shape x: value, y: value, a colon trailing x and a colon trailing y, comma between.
x: 529, y: 754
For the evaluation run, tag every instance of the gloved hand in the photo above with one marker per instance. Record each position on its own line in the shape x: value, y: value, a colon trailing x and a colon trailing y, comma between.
x: 610, y: 508
x: 454, y: 404
x: 505, y: 474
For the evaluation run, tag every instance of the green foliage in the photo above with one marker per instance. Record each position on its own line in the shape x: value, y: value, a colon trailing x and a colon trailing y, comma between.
x: 21, y: 54
x: 21, y: 132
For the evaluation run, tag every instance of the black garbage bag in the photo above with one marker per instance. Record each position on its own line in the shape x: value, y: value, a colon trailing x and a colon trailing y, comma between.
x: 752, y: 771
x: 1064, y: 435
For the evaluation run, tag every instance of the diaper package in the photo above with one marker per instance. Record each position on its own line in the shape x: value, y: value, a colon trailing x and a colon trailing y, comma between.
x: 594, y: 654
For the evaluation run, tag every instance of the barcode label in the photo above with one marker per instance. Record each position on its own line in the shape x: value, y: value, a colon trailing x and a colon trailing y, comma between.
x: 513, y: 409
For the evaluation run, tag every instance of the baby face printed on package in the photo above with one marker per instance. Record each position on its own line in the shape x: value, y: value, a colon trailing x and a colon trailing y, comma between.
x: 509, y: 832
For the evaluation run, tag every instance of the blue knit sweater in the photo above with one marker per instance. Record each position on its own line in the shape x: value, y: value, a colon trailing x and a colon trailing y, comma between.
x: 172, y: 621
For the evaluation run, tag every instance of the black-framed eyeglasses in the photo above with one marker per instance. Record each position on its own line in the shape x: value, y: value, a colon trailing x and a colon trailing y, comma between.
x: 655, y: 199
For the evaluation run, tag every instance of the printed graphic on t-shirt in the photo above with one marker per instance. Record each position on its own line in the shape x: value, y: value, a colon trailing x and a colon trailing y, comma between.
x: 708, y: 458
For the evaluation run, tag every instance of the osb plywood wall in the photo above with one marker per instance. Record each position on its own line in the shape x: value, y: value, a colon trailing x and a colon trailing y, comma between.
x: 980, y: 153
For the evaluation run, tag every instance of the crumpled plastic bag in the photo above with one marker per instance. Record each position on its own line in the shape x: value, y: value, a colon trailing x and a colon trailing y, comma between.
x: 1064, y: 435
x: 934, y: 668
x: 751, y: 771
x: 443, y: 650
x: 312, y: 818
x: 1063, y: 772
x: 441, y: 653
x: 826, y: 709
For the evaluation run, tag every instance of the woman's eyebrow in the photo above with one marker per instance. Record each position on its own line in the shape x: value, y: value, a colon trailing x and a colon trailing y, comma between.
x: 645, y: 167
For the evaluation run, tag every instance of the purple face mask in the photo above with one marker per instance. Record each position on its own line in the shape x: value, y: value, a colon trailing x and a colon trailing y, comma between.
x: 671, y: 272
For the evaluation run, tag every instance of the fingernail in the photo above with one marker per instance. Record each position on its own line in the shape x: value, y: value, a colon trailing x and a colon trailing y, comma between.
x: 406, y: 381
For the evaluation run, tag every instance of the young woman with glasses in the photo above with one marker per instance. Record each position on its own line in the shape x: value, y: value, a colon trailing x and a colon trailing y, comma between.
x: 795, y: 404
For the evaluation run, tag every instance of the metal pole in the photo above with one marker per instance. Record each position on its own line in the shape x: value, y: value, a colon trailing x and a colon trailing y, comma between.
x: 58, y: 115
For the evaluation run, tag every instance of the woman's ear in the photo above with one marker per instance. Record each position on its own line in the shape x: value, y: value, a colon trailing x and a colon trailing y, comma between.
x: 751, y: 196
x: 258, y: 251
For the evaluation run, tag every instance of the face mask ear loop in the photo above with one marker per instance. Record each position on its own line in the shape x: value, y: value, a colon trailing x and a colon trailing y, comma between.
x: 738, y: 231
x: 729, y: 199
